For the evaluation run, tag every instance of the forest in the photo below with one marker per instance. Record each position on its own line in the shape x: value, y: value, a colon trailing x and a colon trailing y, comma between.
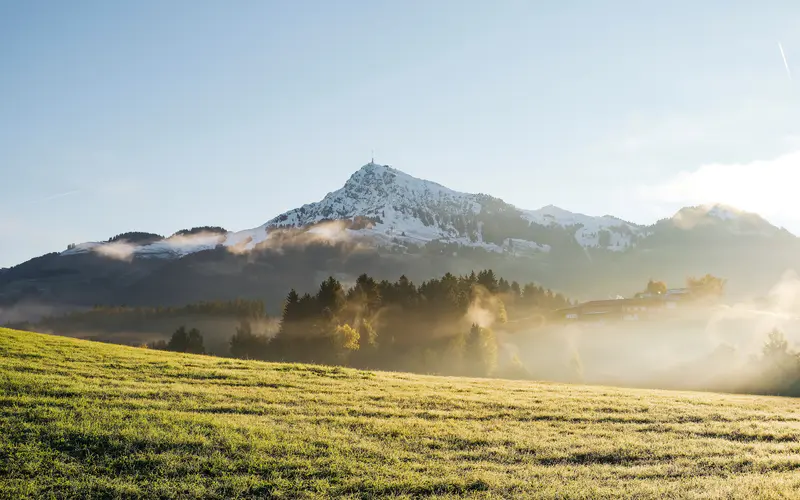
x: 442, y: 325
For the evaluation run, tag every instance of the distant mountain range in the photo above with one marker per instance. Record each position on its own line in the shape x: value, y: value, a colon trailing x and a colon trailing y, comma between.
x: 386, y: 222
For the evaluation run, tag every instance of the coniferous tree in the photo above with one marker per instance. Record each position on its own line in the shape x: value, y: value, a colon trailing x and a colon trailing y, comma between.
x: 330, y: 299
x: 292, y: 314
x: 488, y: 280
x: 183, y: 341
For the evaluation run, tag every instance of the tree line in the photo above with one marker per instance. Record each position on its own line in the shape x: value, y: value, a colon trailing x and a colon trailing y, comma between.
x: 442, y: 325
x: 107, y: 319
x: 240, y: 308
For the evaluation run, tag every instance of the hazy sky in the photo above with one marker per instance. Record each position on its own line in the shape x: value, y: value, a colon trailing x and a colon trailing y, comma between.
x: 161, y: 115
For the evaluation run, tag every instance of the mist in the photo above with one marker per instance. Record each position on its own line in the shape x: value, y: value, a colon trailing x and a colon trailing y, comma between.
x: 118, y: 250
x: 274, y: 239
x: 29, y: 311
x: 702, y: 347
x: 279, y: 239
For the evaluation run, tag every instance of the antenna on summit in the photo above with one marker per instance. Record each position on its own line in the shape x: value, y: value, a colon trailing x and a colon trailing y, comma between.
x: 372, y: 161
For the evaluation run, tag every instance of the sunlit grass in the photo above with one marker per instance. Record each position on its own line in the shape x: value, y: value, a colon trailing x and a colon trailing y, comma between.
x: 81, y: 419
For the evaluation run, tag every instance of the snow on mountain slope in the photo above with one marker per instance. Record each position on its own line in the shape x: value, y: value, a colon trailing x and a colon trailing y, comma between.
x: 396, y: 204
x: 388, y: 207
x: 403, y: 208
x: 620, y: 234
x: 173, y: 247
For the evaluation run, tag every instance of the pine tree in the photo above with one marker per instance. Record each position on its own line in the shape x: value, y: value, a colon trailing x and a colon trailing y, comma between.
x: 183, y: 341
x: 488, y: 280
x: 291, y: 313
x: 330, y: 298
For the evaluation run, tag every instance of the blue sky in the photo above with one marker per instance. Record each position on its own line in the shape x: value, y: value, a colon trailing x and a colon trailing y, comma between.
x: 157, y: 116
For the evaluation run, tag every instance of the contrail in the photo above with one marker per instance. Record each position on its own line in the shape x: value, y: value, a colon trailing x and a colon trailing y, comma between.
x: 785, y: 62
x: 59, y: 195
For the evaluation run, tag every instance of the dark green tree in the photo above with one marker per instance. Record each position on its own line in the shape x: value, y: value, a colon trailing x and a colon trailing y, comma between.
x: 183, y: 341
x: 488, y: 280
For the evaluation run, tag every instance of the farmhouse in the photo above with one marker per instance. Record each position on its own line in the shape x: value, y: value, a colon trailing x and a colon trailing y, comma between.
x: 642, y: 306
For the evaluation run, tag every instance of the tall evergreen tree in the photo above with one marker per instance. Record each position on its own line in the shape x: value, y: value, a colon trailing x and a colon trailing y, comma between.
x: 488, y: 280
x: 183, y: 341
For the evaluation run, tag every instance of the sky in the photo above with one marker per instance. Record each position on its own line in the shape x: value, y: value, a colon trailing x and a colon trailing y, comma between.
x: 158, y: 116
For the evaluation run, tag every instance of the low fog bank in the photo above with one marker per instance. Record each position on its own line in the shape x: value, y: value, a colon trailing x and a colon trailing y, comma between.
x: 712, y: 347
x: 216, y: 332
x: 31, y: 311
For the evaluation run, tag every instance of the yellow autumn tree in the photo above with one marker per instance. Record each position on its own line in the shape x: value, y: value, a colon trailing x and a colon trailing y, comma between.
x: 346, y: 339
x: 656, y: 287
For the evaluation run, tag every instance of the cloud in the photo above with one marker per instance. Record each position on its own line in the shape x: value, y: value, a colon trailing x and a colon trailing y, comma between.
x: 277, y: 239
x: 244, y: 242
x: 766, y: 187
x: 60, y: 195
x: 118, y: 250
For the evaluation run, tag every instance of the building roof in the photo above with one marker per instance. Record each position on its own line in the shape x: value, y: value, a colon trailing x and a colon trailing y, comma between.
x: 606, y: 303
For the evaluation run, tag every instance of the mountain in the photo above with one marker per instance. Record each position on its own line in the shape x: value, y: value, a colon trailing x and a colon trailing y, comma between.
x: 386, y: 222
x: 391, y: 208
x: 402, y: 209
x: 722, y: 219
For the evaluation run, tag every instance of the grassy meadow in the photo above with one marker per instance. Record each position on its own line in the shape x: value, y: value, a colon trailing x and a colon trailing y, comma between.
x: 81, y: 419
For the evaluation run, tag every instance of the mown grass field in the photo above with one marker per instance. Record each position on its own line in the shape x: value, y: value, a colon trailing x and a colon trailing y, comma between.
x: 87, y: 420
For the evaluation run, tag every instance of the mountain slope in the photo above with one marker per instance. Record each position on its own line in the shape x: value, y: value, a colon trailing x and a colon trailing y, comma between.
x: 398, y: 207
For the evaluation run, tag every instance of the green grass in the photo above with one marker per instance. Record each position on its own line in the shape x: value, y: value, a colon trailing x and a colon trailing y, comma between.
x: 81, y: 419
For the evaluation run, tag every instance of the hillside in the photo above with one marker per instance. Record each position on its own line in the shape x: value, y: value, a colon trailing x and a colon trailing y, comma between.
x: 87, y: 420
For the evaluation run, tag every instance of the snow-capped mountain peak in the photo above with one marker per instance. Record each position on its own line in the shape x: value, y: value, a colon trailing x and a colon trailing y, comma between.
x: 392, y: 203
x: 375, y: 175
x: 400, y: 207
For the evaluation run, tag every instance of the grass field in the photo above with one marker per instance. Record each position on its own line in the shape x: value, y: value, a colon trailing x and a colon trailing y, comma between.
x: 88, y: 420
